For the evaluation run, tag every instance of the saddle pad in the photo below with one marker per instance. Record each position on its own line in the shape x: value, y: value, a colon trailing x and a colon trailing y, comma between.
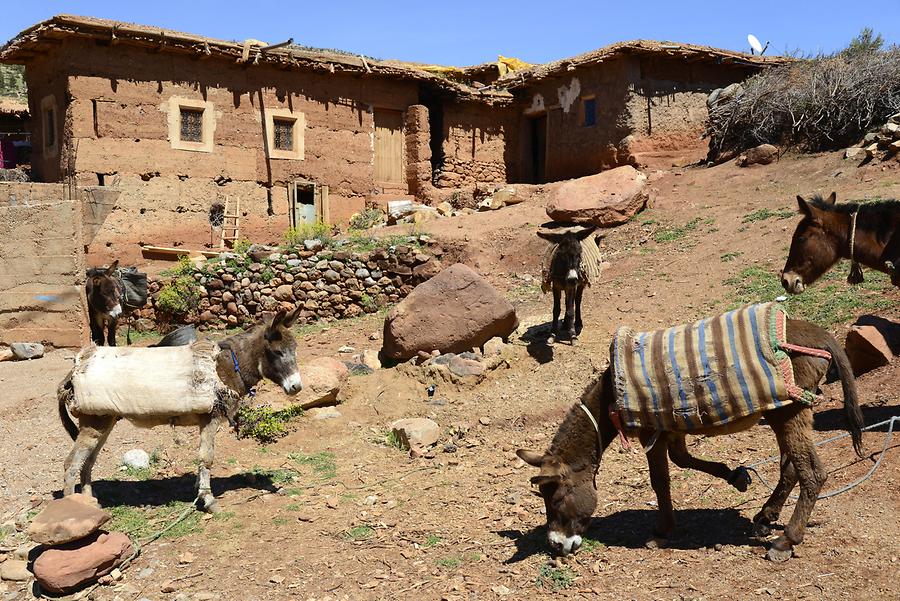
x: 707, y: 373
x: 591, y: 264
x: 143, y: 382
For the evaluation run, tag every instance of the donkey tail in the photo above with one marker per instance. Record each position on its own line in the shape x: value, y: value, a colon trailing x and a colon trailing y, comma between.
x: 63, y: 393
x: 852, y: 411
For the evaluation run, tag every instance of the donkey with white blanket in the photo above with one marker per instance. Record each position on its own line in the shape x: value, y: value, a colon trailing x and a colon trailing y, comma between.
x: 183, y: 385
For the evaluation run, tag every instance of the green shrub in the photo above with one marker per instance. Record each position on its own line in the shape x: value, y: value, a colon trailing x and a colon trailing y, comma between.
x: 264, y: 423
x: 367, y: 218
x: 308, y: 231
x: 241, y: 247
x: 179, y: 296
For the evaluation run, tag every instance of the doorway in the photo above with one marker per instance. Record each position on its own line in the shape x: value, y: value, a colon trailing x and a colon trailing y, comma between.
x: 388, y: 147
x: 307, y: 203
x: 538, y: 138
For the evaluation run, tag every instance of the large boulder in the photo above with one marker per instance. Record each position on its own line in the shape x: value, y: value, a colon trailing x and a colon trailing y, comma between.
x: 867, y: 349
x: 67, y: 519
x: 71, y: 566
x: 606, y: 199
x: 454, y: 311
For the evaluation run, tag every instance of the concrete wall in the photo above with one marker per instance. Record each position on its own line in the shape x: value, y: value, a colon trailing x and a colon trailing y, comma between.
x: 41, y: 266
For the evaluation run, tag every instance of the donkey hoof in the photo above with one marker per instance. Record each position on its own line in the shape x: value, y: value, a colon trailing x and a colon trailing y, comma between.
x: 657, y: 542
x: 551, y: 340
x: 740, y: 478
x: 209, y: 505
x: 761, y: 530
x: 779, y: 555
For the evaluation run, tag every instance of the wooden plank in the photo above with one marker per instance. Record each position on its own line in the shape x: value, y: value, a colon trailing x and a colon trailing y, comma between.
x: 172, y: 254
x: 388, y: 146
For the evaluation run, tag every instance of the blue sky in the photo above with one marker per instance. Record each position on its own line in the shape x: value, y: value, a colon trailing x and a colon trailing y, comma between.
x: 464, y: 32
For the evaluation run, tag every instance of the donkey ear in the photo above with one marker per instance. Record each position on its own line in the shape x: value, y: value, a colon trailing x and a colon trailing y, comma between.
x: 585, y: 232
x: 532, y: 458
x: 291, y: 317
x: 545, y: 479
x: 804, y: 206
x: 553, y: 237
x: 832, y: 198
x: 277, y: 320
x: 112, y: 268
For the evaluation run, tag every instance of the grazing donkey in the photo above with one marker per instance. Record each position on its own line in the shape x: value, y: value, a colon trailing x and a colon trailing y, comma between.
x: 567, y: 479
x: 268, y: 350
x: 566, y: 272
x: 867, y: 233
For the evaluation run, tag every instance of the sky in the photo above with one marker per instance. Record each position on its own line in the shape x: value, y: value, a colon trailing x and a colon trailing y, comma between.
x: 467, y: 32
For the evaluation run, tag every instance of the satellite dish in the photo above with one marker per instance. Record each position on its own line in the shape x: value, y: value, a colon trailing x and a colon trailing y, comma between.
x: 754, y: 44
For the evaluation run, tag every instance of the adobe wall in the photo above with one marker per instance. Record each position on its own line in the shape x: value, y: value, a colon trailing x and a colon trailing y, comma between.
x: 119, y: 124
x: 475, y: 144
x: 41, y: 266
x: 46, y: 79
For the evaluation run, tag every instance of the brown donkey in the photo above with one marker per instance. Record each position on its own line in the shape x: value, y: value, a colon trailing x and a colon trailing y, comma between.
x: 867, y: 233
x: 268, y: 350
x: 567, y: 480
x: 566, y: 273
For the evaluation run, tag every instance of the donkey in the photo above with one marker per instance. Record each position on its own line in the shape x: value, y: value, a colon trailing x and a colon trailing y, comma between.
x: 268, y: 350
x: 867, y: 233
x: 566, y: 273
x: 104, y: 294
x: 567, y: 480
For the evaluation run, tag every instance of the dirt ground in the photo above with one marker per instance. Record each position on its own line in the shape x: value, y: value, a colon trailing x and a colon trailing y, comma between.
x: 355, y: 518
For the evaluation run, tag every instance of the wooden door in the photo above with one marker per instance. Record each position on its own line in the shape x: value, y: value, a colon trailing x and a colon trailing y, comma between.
x: 389, y: 147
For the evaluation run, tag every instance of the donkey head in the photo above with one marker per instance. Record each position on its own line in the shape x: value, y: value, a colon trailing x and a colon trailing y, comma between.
x: 103, y: 292
x: 815, y: 245
x: 278, y: 361
x: 565, y: 267
x: 569, y: 497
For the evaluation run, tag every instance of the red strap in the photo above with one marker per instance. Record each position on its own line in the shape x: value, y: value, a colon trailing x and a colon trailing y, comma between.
x: 617, y: 423
x: 805, y: 350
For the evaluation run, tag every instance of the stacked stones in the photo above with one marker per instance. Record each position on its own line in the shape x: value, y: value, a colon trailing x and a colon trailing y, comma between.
x: 884, y: 140
x: 455, y: 173
x: 327, y: 283
x: 75, y: 551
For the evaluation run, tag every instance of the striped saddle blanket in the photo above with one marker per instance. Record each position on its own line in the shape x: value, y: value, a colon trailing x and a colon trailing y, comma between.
x: 706, y: 373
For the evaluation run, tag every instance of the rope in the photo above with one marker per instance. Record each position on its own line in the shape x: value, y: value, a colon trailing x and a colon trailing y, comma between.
x: 856, y: 275
x: 887, y: 440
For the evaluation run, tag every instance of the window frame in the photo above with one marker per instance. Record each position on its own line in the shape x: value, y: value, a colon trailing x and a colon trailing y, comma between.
x: 298, y: 130
x: 290, y: 124
x: 207, y: 129
x: 49, y: 135
x: 584, y: 112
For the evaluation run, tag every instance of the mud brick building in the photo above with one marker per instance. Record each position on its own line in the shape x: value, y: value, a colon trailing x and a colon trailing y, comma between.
x: 179, y: 124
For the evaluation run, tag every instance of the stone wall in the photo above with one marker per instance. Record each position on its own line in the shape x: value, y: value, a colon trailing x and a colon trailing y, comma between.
x: 41, y: 266
x: 330, y: 283
x: 475, y: 147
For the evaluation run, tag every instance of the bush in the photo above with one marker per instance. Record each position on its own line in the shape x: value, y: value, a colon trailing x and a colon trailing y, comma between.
x: 179, y: 296
x: 824, y: 103
x: 367, y: 219
x: 265, y: 424
x: 308, y: 231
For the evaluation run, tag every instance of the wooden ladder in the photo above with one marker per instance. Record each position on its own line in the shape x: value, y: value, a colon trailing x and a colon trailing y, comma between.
x: 231, y: 216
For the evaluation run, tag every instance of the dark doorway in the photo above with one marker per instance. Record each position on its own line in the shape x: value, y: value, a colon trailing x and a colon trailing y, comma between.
x: 538, y: 148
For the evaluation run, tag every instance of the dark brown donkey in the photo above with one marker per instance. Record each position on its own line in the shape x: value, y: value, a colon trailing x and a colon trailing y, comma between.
x: 566, y: 274
x: 866, y: 233
x: 568, y: 469
x: 104, y: 294
x: 267, y: 350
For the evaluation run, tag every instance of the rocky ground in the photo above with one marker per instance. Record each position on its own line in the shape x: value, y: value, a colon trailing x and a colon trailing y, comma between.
x: 335, y: 511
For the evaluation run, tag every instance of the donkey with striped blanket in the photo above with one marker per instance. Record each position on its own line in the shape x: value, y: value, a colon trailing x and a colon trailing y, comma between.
x: 735, y: 371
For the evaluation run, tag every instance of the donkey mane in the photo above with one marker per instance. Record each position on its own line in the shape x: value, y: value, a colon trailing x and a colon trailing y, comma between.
x: 884, y: 206
x: 572, y: 428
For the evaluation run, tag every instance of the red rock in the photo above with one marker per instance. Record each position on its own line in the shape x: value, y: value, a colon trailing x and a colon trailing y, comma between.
x: 75, y: 564
x: 67, y: 519
x: 416, y: 432
x: 867, y: 349
x: 606, y: 199
x: 453, y: 312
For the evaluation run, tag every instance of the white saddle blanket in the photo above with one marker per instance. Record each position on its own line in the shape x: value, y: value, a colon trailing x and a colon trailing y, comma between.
x: 143, y: 382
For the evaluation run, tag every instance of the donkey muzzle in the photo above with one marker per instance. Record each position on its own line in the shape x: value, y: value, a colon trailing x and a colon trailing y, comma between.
x: 292, y: 384
x: 792, y: 282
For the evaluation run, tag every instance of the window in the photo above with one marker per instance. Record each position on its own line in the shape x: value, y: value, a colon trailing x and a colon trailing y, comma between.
x: 589, y: 108
x: 284, y: 134
x: 191, y: 125
x: 50, y: 128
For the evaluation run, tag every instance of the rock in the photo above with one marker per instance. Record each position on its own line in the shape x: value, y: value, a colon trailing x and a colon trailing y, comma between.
x: 319, y: 413
x: 465, y: 367
x: 454, y: 311
x: 867, y: 349
x: 70, y: 566
x: 606, y: 199
x: 416, y: 432
x: 331, y: 276
x: 484, y: 421
x: 321, y: 385
x: 760, y: 155
x: 445, y: 209
x: 494, y: 347
x: 138, y: 459
x: 855, y: 154
x: 6, y: 354
x: 67, y: 519
x: 27, y: 350
x: 15, y: 570
x: 370, y: 359
x: 313, y: 245
x: 285, y: 292
x: 870, y: 150
x: 346, y: 349
x: 331, y: 363
x: 427, y: 270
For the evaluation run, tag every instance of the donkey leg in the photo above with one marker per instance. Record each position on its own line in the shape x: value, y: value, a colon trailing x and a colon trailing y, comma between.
x: 96, y: 331
x: 554, y: 331
x: 738, y: 477
x: 659, y: 480
x: 579, y: 290
x: 771, y: 510
x: 103, y: 430
x: 569, y: 321
x: 111, y: 332
x: 90, y: 431
x: 794, y: 435
x: 208, y: 427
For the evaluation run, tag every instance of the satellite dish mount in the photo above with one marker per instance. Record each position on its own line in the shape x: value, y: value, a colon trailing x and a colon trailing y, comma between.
x: 755, y: 46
